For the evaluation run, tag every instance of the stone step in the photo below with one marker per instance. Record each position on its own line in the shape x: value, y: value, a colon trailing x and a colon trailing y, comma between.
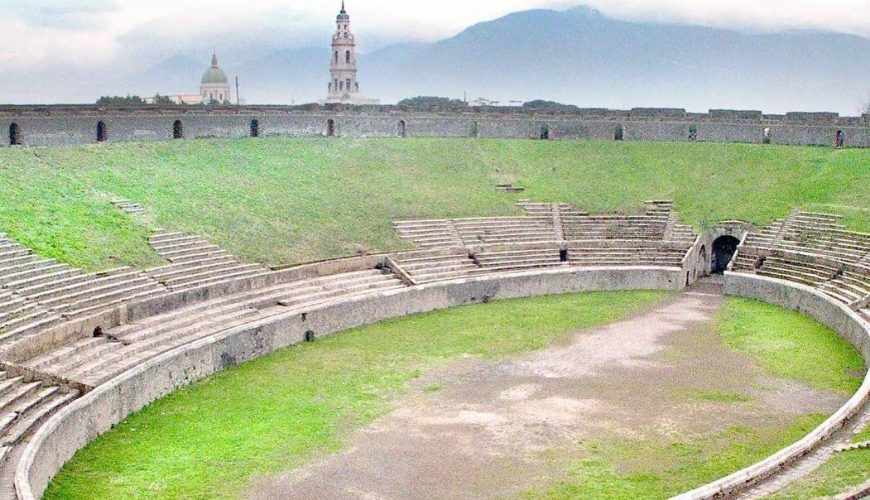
x: 112, y: 300
x: 14, y: 253
x: 218, y: 280
x: 16, y: 392
x: 56, y: 356
x: 31, y: 279
x: 28, y: 264
x: 36, y: 416
x: 46, y: 289
x: 26, y: 314
x: 440, y: 275
x: 38, y: 324
x: 68, y: 368
x: 297, y: 299
x: 236, y: 271
x: 162, y: 248
x: 163, y: 238
x: 165, y: 272
x: 194, y: 257
x: 91, y: 287
x: 194, y: 250
x: 24, y: 405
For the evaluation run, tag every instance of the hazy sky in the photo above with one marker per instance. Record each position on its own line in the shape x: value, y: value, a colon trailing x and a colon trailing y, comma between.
x: 75, y: 50
x: 91, y: 32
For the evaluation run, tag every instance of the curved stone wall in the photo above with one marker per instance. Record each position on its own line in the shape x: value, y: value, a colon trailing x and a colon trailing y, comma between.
x: 77, y: 424
x: 96, y: 412
x: 60, y: 125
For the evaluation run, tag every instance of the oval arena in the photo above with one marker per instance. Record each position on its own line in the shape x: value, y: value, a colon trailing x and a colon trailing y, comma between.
x: 82, y: 351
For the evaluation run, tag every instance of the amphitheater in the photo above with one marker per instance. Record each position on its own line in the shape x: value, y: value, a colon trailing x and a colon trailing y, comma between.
x: 81, y: 351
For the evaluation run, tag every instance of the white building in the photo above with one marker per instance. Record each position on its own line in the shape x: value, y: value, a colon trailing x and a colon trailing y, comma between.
x: 343, y: 85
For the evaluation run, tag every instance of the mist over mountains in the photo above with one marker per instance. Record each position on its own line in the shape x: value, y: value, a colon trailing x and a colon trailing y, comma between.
x: 577, y: 56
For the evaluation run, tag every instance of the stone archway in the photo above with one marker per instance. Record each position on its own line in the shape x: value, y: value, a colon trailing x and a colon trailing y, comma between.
x: 177, y: 130
x: 403, y: 128
x: 619, y: 133
x: 330, y: 128
x: 545, y: 132
x: 102, y: 132
x: 255, y: 128
x: 14, y: 135
x: 724, y: 248
x: 840, y: 139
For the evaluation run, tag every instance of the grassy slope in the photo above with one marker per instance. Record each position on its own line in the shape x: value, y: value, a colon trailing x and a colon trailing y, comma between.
x: 275, y: 412
x: 783, y: 342
x: 287, y: 201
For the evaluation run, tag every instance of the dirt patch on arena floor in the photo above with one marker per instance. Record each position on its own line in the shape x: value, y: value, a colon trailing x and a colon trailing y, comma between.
x: 479, y: 429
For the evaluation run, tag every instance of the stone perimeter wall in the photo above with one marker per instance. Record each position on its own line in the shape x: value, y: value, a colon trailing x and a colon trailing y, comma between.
x: 64, y: 125
x: 95, y: 413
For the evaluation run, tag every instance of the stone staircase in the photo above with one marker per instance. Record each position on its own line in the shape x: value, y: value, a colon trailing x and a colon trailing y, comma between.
x: 195, y: 263
x: 502, y: 260
x: 54, y: 291
x: 24, y: 405
x: 129, y: 207
x: 627, y: 253
x: 428, y: 266
x: 437, y: 233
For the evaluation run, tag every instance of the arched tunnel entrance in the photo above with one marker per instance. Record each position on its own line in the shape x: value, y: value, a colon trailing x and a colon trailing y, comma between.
x: 723, y: 251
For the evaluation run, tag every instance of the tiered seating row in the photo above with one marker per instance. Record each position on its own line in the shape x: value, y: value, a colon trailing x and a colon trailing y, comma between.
x: 67, y: 290
x: 511, y: 260
x: 94, y: 360
x: 20, y: 317
x: 851, y: 286
x: 195, y: 262
x: 821, y: 234
x: 429, y: 233
x: 23, y: 406
x: 434, y: 265
x: 505, y: 230
x: 628, y: 253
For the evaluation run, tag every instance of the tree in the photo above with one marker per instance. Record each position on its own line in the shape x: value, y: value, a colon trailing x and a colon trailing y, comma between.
x: 541, y: 105
x: 118, y: 101
x: 431, y: 102
x: 162, y: 100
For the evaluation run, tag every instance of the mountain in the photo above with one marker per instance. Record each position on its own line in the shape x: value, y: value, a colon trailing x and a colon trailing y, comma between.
x: 577, y: 56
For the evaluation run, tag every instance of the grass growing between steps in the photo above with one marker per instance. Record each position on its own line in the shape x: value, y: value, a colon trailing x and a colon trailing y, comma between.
x: 279, y: 411
x: 791, y: 345
x: 293, y: 200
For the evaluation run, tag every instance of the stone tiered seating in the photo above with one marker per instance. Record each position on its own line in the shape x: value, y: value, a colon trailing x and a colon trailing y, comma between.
x: 67, y: 290
x: 24, y: 405
x: 627, y: 253
x: 129, y: 207
x: 505, y: 230
x: 852, y: 286
x: 652, y: 225
x: 437, y: 233
x: 433, y: 265
x: 20, y: 317
x: 812, y: 249
x: 94, y: 360
x: 517, y: 259
x: 195, y: 262
x: 821, y: 234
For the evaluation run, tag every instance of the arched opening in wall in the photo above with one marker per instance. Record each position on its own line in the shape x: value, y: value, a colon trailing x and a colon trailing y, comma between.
x: 765, y: 138
x: 177, y: 130
x: 15, y: 135
x: 840, y: 139
x: 403, y: 128
x: 330, y: 128
x: 347, y: 57
x: 724, y: 249
x: 693, y: 132
x: 255, y: 128
x: 619, y: 133
x: 102, y: 132
x: 475, y: 130
x: 545, y: 132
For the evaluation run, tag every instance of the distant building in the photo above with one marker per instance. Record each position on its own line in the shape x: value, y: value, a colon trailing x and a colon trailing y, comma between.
x: 344, y: 86
x: 215, y: 86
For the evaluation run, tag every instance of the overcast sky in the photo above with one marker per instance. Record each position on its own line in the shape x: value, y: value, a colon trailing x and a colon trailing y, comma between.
x: 40, y: 39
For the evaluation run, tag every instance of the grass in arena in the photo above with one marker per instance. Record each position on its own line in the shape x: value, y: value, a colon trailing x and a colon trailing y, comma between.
x: 275, y: 412
x: 293, y: 200
x: 791, y: 345
x: 281, y: 411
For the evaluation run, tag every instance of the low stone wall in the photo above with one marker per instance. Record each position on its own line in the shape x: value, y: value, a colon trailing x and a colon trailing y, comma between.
x: 824, y: 309
x: 96, y: 412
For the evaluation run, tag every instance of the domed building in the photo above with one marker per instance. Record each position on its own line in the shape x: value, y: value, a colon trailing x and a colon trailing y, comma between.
x: 215, y: 86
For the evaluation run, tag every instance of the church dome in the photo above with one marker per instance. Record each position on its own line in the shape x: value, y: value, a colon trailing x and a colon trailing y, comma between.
x: 214, y: 74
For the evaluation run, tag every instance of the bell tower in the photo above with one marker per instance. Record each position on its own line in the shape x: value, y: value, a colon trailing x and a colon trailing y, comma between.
x: 343, y: 84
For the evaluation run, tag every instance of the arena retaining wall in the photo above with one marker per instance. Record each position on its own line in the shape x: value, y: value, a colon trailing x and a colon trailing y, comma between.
x: 65, y: 125
x: 93, y: 414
